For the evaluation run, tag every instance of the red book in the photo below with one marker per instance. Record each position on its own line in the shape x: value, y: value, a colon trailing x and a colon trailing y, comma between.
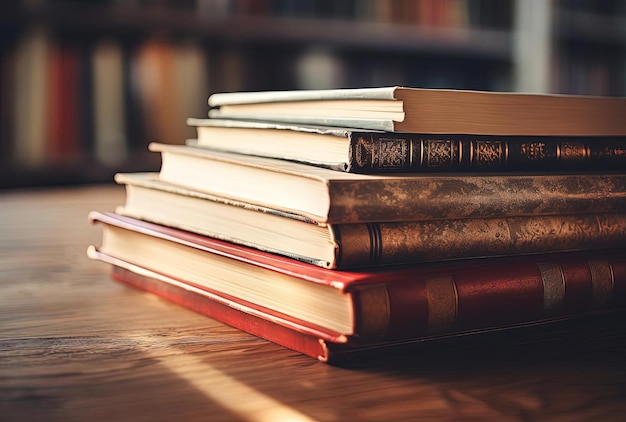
x: 63, y: 72
x: 323, y: 313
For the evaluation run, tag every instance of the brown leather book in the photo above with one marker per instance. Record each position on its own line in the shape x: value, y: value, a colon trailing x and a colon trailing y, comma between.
x: 318, y: 311
x: 364, y: 244
x: 328, y: 196
x: 370, y: 151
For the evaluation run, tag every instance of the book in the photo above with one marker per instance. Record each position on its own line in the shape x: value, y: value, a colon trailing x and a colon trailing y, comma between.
x: 366, y: 244
x: 7, y: 109
x: 435, y: 111
x: 227, y: 311
x: 30, y: 100
x: 314, y: 310
x: 328, y: 196
x: 62, y: 110
x: 109, y: 109
x: 169, y: 79
x: 370, y: 151
x: 190, y: 64
x: 155, y: 78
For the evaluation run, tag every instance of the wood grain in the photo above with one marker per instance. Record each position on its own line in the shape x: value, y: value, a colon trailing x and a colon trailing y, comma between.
x: 75, y: 345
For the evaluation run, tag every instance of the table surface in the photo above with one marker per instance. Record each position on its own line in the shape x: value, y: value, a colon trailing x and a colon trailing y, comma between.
x: 76, y: 346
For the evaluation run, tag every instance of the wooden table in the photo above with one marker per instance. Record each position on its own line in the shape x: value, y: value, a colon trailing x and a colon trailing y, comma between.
x: 76, y: 346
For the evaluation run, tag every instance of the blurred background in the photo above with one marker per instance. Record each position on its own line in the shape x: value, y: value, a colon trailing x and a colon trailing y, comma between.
x: 86, y: 85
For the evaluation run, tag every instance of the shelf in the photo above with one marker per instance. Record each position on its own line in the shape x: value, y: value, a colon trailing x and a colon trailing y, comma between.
x: 591, y: 27
x: 464, y: 42
x: 86, y: 171
x: 230, y: 45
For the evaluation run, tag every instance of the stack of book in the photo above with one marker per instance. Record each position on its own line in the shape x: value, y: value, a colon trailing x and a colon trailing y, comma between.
x: 338, y: 221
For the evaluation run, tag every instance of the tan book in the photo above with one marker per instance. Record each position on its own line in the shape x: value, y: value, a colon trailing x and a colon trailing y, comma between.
x: 110, y: 141
x: 447, y: 111
x: 328, y: 196
x: 29, y: 102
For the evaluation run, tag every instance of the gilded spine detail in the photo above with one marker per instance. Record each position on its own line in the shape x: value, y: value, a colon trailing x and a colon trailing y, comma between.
x: 384, y: 152
x: 572, y: 151
x: 392, y: 153
x: 532, y: 151
x: 381, y: 153
x: 441, y: 153
x: 487, y: 153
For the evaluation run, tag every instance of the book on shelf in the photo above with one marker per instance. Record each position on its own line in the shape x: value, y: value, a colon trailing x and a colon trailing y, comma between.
x: 318, y: 311
x: 435, y: 111
x: 62, y: 108
x: 110, y: 143
x: 171, y: 83
x: 28, y: 108
x: 363, y: 244
x: 371, y: 151
x: 328, y: 196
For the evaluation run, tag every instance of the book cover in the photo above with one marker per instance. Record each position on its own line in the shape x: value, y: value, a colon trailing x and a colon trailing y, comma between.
x: 372, y: 306
x: 358, y: 245
x: 387, y: 307
x: 369, y: 151
x: 328, y: 196
x: 437, y: 111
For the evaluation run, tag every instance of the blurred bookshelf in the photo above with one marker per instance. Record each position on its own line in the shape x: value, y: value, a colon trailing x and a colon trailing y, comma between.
x: 86, y: 85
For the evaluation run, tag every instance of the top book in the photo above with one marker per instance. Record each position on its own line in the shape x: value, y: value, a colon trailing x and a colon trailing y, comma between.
x: 416, y: 110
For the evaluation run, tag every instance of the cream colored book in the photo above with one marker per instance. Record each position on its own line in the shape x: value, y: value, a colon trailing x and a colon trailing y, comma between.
x: 415, y: 110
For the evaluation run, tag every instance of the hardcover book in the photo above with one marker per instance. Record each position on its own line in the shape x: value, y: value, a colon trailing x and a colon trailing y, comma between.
x: 370, y: 151
x: 316, y: 311
x: 364, y: 244
x: 435, y: 111
x: 328, y: 196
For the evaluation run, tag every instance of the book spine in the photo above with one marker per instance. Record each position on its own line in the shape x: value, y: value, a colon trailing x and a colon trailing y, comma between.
x: 389, y: 152
x: 424, y: 241
x: 62, y: 97
x: 491, y: 297
x: 196, y: 301
x: 458, y: 196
